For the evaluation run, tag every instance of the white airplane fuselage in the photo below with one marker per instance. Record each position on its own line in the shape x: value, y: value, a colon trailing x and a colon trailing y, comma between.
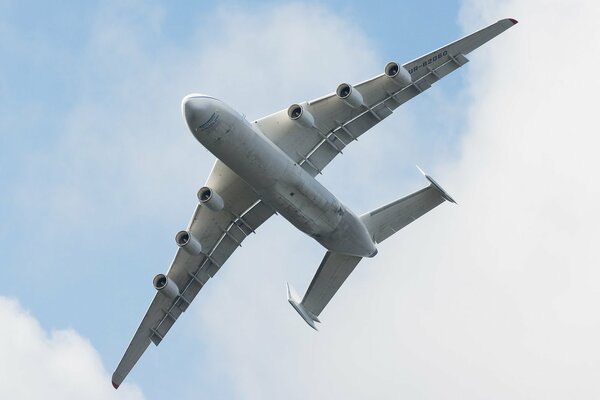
x: 277, y: 179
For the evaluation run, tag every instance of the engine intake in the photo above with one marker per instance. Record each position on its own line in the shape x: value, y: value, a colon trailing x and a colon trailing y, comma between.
x: 165, y: 285
x: 210, y: 199
x: 398, y: 74
x: 188, y: 242
x: 349, y: 95
x: 297, y: 113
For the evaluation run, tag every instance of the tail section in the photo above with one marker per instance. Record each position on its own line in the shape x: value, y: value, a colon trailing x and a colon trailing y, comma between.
x: 381, y: 224
x: 389, y: 219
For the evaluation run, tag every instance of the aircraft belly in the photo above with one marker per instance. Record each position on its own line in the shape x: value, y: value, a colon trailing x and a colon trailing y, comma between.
x: 351, y: 237
x: 285, y: 185
x: 246, y: 154
x: 305, y: 212
x: 279, y: 181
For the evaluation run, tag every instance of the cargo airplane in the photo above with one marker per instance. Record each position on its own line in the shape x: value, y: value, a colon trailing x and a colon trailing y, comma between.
x: 269, y: 166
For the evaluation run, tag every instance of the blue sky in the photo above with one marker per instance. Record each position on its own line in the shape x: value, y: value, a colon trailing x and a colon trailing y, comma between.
x: 99, y: 172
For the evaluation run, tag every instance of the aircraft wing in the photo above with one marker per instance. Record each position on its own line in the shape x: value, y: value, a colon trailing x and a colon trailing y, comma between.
x: 336, y: 124
x: 220, y: 233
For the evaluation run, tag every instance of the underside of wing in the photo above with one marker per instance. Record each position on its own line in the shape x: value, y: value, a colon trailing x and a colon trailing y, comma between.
x: 213, y: 234
x: 313, y: 133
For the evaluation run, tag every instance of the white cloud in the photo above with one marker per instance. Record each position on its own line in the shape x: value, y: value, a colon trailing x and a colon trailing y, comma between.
x: 50, y: 365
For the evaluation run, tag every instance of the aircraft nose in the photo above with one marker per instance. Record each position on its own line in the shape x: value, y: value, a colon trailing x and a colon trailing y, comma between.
x: 197, y: 109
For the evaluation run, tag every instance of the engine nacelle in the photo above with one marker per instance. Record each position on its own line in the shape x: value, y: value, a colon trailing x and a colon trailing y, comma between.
x: 188, y: 242
x: 398, y: 74
x: 210, y: 199
x: 165, y: 285
x: 297, y: 113
x: 349, y: 95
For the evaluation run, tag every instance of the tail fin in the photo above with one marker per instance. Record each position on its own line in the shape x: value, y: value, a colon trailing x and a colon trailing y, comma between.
x: 389, y: 219
x: 442, y: 192
x: 306, y: 315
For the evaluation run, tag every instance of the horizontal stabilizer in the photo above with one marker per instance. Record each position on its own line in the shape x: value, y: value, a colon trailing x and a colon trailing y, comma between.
x: 306, y: 315
x: 389, y: 219
x: 331, y: 274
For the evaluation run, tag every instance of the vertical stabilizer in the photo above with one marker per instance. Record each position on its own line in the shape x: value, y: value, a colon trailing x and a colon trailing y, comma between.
x: 304, y: 313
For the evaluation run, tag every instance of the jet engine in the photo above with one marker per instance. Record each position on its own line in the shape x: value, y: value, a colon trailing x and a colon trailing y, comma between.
x: 165, y: 285
x: 210, y: 199
x: 398, y: 74
x: 349, y: 95
x: 297, y: 113
x: 188, y: 242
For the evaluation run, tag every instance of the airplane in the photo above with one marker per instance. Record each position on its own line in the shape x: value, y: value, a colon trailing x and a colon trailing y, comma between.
x: 269, y: 166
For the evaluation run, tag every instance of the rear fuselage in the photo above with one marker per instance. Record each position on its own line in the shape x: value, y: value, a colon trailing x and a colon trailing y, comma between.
x: 277, y: 179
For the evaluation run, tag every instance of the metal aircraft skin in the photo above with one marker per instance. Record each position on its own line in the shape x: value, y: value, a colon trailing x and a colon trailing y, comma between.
x: 269, y: 166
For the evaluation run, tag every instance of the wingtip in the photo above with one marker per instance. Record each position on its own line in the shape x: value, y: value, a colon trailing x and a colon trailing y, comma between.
x: 514, y: 21
x: 115, y: 385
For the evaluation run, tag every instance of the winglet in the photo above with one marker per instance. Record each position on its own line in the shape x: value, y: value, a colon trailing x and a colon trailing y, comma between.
x: 306, y: 315
x: 442, y: 192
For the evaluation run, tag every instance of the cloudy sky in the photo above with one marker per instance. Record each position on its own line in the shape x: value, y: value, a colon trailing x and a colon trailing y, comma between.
x: 494, y: 298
